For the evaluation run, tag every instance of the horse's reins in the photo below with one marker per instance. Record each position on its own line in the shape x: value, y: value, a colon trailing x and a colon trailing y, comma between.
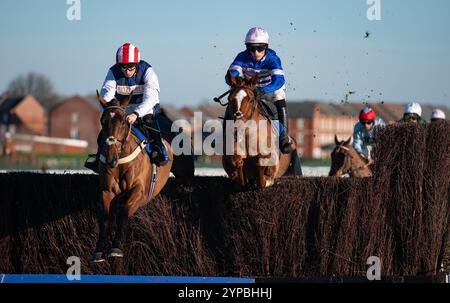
x: 217, y: 99
x: 343, y: 147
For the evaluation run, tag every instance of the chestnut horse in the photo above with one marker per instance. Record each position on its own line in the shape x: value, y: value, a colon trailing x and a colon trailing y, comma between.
x: 345, y: 160
x: 127, y: 178
x: 247, y: 167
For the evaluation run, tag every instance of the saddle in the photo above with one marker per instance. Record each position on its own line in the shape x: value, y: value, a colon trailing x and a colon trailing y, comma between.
x: 271, y: 115
x: 139, y: 132
x: 267, y: 111
x: 152, y: 136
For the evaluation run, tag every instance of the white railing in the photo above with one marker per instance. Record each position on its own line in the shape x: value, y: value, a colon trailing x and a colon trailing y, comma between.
x: 51, y: 140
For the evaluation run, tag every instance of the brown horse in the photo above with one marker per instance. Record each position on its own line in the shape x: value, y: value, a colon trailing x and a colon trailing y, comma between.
x: 345, y: 160
x: 252, y: 164
x: 127, y: 178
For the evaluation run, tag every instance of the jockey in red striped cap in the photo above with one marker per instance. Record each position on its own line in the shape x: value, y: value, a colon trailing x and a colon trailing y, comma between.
x: 131, y: 74
x: 128, y: 54
x: 363, y: 133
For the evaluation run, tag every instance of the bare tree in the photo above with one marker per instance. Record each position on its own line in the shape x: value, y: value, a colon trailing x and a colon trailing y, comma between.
x: 37, y: 85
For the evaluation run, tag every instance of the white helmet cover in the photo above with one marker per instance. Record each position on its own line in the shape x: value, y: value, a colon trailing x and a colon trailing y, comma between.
x: 257, y: 35
x: 437, y: 114
x: 413, y: 108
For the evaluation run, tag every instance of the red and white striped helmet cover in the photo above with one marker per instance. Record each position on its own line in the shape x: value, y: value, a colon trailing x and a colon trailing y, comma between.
x: 128, y: 53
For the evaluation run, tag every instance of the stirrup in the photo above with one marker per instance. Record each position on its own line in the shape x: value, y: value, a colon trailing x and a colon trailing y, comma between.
x: 92, y: 163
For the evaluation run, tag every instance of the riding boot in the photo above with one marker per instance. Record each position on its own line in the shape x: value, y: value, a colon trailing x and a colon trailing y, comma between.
x: 153, y: 134
x: 93, y: 160
x: 285, y: 140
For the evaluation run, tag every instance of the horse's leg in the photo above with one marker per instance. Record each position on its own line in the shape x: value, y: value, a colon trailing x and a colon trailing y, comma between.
x: 132, y: 202
x: 121, y: 226
x: 241, y: 178
x: 104, y: 226
x: 261, y: 177
x: 270, y: 173
x: 234, y: 166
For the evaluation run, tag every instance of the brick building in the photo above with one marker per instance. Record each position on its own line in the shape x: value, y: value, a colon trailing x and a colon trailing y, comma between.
x: 76, y: 118
x: 24, y: 115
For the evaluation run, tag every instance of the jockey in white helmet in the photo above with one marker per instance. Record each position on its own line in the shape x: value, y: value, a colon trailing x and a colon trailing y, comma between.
x: 412, y: 112
x: 259, y: 58
x: 437, y: 114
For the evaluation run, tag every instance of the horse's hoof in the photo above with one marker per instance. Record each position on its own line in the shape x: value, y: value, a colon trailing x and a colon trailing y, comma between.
x: 115, y: 253
x: 98, y: 257
x: 270, y: 182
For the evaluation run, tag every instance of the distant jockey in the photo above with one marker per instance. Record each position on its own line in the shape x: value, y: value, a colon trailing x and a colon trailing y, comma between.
x: 363, y: 133
x: 437, y: 115
x: 412, y: 112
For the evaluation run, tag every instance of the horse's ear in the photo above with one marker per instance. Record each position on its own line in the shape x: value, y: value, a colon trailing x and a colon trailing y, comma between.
x: 336, y: 141
x: 101, y: 100
x: 348, y: 141
x: 124, y: 103
x: 233, y: 81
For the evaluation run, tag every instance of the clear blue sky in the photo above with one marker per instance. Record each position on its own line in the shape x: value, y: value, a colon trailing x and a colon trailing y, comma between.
x: 191, y: 44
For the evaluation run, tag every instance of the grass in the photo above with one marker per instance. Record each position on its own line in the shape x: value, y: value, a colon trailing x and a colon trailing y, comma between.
x: 202, y: 162
x: 44, y: 161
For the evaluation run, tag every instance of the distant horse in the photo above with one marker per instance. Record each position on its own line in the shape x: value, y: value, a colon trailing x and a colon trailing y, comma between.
x: 345, y: 160
x: 247, y: 168
x: 127, y: 178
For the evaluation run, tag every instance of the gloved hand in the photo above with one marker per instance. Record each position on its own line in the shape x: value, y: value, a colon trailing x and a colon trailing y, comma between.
x: 131, y: 118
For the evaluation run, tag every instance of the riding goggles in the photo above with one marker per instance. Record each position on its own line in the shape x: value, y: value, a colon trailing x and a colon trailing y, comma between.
x: 128, y: 66
x: 256, y: 47
x: 368, y: 122
x: 410, y: 117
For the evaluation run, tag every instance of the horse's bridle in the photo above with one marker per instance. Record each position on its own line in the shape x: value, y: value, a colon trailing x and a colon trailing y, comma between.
x: 347, y: 152
x: 345, y: 148
x: 111, y: 140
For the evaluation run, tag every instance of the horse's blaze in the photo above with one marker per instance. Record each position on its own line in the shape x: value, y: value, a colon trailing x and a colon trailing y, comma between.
x: 239, y: 97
